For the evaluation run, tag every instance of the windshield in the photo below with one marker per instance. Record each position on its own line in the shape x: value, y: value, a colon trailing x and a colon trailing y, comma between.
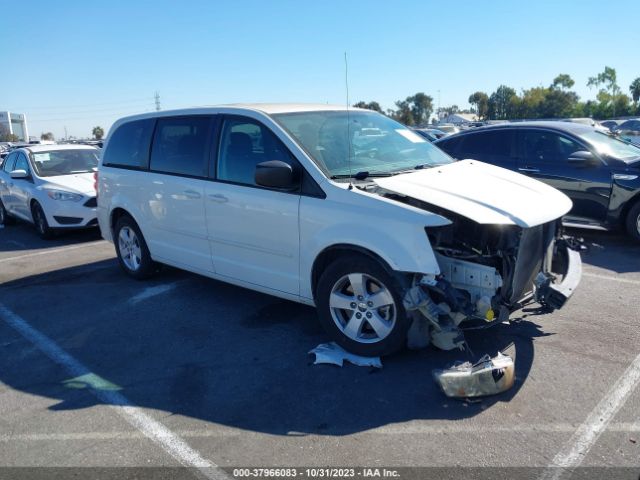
x: 375, y: 143
x: 611, y: 146
x: 64, y: 162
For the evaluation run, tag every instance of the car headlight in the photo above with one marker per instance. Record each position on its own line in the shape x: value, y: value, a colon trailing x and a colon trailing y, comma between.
x: 63, y: 196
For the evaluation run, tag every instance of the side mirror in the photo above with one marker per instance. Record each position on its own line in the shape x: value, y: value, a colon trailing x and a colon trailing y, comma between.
x: 17, y: 174
x: 583, y: 158
x: 275, y: 174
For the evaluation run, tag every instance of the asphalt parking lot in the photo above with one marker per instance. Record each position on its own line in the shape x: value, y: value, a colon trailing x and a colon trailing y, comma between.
x: 97, y: 369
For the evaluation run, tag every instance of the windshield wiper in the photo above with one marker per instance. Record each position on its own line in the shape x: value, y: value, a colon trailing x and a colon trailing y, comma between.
x: 362, y: 175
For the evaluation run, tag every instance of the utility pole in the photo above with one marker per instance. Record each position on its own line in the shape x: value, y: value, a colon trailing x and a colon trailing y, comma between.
x: 66, y: 136
x: 157, y: 97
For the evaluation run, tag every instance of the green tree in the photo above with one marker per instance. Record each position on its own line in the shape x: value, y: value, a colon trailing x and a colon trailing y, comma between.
x: 634, y: 89
x: 607, y: 95
x: 404, y: 114
x: 563, y: 82
x: 97, y: 133
x: 5, y: 136
x: 375, y: 106
x: 421, y: 107
x: 47, y: 136
x: 480, y: 101
x: 502, y: 103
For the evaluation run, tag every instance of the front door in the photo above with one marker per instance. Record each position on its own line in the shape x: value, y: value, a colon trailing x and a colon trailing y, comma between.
x: 253, y: 231
x: 545, y: 156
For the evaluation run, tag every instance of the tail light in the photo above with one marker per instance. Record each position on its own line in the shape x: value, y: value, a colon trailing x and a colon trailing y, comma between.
x: 95, y: 182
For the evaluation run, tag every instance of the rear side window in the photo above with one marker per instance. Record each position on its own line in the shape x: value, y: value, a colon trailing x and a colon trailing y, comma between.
x: 129, y: 145
x: 486, y: 143
x: 180, y: 145
x: 450, y: 145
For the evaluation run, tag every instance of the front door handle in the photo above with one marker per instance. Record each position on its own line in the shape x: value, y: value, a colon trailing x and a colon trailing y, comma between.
x: 191, y: 194
x: 216, y: 197
x: 529, y: 170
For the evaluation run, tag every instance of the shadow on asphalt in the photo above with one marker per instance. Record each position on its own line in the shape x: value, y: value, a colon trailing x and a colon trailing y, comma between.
x: 613, y: 251
x: 23, y: 237
x: 222, y: 354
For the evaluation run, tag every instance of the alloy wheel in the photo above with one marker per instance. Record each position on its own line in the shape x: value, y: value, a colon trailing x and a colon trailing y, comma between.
x: 362, y: 308
x: 129, y: 247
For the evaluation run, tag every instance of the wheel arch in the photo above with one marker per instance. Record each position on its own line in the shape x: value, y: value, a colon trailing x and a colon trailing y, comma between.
x: 330, y: 254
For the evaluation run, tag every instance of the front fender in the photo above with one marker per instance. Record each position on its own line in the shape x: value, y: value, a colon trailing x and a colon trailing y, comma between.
x: 394, y: 233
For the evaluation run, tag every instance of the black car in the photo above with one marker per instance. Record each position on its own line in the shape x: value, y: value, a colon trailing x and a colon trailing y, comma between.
x: 598, y: 171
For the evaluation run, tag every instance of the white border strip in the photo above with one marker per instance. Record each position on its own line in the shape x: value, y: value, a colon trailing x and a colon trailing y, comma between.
x: 150, y: 427
x: 587, y: 434
x: 52, y: 250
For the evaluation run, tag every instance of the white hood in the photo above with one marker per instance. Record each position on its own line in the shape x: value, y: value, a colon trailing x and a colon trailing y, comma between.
x: 484, y: 193
x: 75, y: 183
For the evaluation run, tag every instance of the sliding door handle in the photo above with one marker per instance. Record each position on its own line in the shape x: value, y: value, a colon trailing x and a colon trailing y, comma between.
x: 216, y: 197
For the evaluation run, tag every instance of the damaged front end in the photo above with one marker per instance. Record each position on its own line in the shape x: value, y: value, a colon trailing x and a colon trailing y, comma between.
x: 489, y: 271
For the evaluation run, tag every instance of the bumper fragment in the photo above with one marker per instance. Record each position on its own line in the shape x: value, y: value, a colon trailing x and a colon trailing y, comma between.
x: 555, y: 295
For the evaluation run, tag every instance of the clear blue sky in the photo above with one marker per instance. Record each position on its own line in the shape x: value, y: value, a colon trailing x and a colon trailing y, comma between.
x: 80, y: 64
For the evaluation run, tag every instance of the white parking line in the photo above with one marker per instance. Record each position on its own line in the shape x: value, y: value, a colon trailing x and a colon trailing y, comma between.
x: 150, y: 427
x: 220, y: 432
x: 611, y: 277
x: 587, y: 434
x: 152, y: 292
x: 52, y: 250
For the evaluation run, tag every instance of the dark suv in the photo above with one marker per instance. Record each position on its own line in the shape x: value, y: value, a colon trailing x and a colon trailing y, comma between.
x: 599, y: 172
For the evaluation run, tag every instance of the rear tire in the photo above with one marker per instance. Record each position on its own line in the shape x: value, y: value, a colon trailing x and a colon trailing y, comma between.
x: 131, y: 248
x: 633, y: 221
x: 5, y: 218
x: 359, y: 304
x: 40, y: 222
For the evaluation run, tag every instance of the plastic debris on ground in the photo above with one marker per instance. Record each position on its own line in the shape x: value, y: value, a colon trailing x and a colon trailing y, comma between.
x: 488, y: 376
x: 334, y: 354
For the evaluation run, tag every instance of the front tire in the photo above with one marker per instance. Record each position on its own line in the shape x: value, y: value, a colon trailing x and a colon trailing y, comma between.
x: 40, y: 222
x: 633, y: 221
x: 5, y: 218
x: 131, y: 248
x: 359, y: 304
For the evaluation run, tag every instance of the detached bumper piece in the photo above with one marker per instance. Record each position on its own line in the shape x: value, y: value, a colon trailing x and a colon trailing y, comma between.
x: 568, y: 262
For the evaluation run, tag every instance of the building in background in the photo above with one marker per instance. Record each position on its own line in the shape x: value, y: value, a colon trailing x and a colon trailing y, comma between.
x: 459, y: 118
x: 15, y: 123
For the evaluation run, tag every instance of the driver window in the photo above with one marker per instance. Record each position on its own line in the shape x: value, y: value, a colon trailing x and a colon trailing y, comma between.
x: 22, y: 163
x: 548, y: 147
x: 244, y: 143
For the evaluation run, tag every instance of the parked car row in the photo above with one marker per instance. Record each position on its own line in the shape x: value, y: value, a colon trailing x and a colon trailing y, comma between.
x: 599, y: 172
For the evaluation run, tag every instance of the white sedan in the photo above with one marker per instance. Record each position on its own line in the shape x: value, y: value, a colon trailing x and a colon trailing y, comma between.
x: 51, y: 186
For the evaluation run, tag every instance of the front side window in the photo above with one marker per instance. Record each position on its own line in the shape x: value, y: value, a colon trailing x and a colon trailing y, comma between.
x: 542, y: 146
x: 65, y: 162
x: 22, y: 163
x: 244, y: 143
x: 180, y: 145
x: 343, y: 142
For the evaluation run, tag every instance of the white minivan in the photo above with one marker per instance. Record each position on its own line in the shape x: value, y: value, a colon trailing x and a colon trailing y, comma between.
x: 302, y: 202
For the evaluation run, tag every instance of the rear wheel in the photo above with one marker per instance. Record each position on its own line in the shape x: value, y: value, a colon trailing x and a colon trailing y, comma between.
x: 40, y: 222
x: 633, y: 221
x: 133, y: 253
x: 360, y: 306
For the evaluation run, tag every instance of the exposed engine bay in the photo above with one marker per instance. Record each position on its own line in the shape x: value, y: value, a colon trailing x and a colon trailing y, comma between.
x: 487, y: 272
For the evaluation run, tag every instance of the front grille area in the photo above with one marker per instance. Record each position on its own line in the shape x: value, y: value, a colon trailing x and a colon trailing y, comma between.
x: 92, y: 223
x: 91, y: 203
x: 67, y: 220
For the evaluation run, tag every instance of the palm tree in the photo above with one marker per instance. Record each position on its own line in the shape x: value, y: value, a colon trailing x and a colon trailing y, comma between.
x: 98, y: 133
x: 634, y: 88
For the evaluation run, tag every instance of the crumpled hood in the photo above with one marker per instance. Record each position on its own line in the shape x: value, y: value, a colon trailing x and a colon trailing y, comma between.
x: 75, y: 183
x: 484, y: 193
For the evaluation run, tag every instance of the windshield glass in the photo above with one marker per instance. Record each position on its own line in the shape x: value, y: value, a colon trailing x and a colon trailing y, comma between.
x: 375, y: 143
x: 612, y: 146
x: 64, y: 162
